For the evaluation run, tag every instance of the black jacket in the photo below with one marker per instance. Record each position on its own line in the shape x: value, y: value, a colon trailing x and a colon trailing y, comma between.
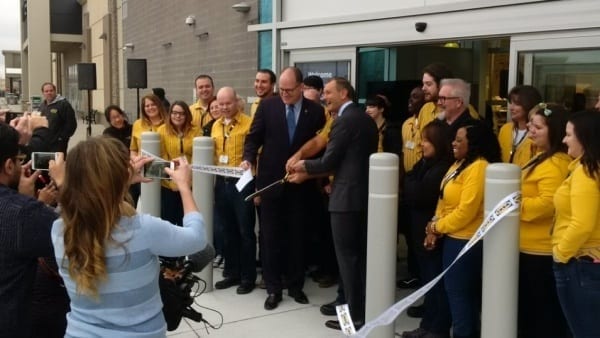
x: 61, y: 123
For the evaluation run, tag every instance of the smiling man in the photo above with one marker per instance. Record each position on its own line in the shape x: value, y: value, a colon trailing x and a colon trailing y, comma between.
x: 61, y: 118
x: 264, y: 85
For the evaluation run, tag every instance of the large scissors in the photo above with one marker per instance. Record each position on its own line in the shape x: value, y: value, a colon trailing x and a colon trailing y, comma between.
x: 270, y: 186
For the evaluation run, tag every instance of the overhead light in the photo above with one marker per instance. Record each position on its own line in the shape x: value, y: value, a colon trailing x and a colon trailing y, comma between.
x: 128, y: 45
x: 190, y: 20
x: 167, y: 44
x: 241, y: 7
x: 102, y: 36
x: 452, y: 44
x: 202, y: 36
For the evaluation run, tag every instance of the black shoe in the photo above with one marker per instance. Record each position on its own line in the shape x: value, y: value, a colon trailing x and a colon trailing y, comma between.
x: 272, y: 301
x: 408, y: 283
x: 226, y: 283
x: 415, y: 311
x: 299, y: 297
x: 245, y: 287
x: 334, y: 324
x: 329, y: 308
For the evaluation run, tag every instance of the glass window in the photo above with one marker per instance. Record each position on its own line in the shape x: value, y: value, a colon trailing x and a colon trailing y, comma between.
x: 265, y: 43
x: 265, y: 14
x: 570, y: 77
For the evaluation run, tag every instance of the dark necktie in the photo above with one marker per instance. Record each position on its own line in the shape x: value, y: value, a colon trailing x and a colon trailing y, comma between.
x: 291, y: 121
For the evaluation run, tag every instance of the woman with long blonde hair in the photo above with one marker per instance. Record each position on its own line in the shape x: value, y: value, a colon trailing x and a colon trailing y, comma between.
x: 107, y: 253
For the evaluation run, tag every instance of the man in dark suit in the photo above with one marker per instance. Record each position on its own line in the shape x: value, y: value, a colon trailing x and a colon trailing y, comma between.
x: 352, y: 140
x: 281, y: 125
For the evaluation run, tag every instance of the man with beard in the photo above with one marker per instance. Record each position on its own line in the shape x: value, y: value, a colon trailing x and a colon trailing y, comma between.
x: 264, y: 84
x: 61, y: 118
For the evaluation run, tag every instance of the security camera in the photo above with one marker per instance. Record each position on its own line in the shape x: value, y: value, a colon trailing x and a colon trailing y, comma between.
x: 190, y: 20
x: 421, y: 26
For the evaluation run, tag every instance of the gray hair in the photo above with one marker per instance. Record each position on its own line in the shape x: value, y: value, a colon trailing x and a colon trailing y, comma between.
x: 460, y: 88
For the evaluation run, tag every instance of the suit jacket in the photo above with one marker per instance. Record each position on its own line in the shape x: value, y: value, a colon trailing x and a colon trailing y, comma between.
x: 353, y: 138
x: 269, y: 131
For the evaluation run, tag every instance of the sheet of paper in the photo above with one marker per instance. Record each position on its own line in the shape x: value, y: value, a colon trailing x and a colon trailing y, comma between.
x: 244, y: 180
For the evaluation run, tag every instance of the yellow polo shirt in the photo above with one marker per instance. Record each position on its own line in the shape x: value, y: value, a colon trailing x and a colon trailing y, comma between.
x: 577, y: 225
x: 411, y: 143
x: 524, y: 150
x: 172, y: 147
x: 460, y: 211
x: 537, y: 202
x: 140, y: 126
x: 254, y: 107
x: 229, y: 139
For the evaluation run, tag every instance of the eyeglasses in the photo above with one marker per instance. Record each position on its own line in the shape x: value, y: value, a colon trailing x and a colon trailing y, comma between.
x: 442, y: 99
x: 21, y: 158
x: 176, y: 112
x: 288, y: 90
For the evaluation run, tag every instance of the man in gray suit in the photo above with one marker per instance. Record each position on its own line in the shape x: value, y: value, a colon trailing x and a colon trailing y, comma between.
x: 352, y: 140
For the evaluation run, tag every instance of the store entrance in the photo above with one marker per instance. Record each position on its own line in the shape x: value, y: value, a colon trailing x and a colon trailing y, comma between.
x: 394, y: 71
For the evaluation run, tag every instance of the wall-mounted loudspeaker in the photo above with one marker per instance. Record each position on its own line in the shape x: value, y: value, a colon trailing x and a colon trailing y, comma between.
x: 86, y: 76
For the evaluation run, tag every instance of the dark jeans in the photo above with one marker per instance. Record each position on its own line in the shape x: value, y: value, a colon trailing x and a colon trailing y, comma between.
x: 237, y: 218
x: 540, y: 315
x: 463, y: 286
x: 218, y: 235
x: 436, y: 315
x: 171, y: 206
x: 135, y: 191
x: 578, y: 287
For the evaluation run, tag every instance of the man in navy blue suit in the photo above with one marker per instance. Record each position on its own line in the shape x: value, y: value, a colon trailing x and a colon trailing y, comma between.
x: 353, y: 138
x: 281, y: 125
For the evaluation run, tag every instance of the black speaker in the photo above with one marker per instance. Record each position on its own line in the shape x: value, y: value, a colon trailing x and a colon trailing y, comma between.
x: 136, y: 73
x: 86, y: 76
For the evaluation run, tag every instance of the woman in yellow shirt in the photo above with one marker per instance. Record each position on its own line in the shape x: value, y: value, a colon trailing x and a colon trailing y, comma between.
x: 576, y: 233
x: 515, y: 145
x: 153, y: 116
x: 540, y: 314
x: 458, y: 214
x: 176, y: 140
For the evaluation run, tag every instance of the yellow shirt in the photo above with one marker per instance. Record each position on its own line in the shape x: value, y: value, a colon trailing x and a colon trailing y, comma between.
x: 172, y: 147
x: 324, y: 132
x: 537, y: 203
x: 411, y: 143
x: 200, y: 117
x: 524, y: 150
x: 229, y: 139
x: 460, y: 211
x: 140, y: 126
x: 430, y: 110
x: 254, y: 107
x: 577, y: 225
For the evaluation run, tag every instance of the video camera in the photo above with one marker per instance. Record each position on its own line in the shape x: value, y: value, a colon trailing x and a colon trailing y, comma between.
x: 176, y: 280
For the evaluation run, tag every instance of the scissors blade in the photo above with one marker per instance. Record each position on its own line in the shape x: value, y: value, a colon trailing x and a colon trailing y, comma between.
x: 258, y: 192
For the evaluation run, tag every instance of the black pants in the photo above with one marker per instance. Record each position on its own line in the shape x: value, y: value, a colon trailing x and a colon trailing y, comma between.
x: 350, y: 239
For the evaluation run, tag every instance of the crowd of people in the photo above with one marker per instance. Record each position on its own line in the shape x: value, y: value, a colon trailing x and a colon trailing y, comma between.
x: 74, y: 242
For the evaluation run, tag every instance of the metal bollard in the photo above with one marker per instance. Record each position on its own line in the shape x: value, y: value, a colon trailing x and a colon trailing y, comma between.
x: 501, y: 256
x: 381, y: 238
x: 203, y: 189
x: 150, y: 192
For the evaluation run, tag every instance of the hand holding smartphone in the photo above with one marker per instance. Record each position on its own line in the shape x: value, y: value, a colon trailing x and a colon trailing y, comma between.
x: 41, y: 160
x: 156, y: 169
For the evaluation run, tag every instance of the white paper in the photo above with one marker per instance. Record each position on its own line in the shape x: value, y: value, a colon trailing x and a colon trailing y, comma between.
x: 244, y: 180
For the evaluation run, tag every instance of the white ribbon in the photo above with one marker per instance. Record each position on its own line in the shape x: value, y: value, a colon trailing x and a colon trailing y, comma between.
x: 507, y: 205
x: 236, y: 172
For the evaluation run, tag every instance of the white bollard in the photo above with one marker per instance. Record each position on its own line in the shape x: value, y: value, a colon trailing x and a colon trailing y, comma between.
x: 500, y: 256
x: 381, y: 238
x: 150, y: 192
x: 203, y: 188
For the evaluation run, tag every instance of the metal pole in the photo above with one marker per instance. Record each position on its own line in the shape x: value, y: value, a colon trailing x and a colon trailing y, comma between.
x: 150, y: 192
x: 203, y: 188
x: 381, y: 238
x: 500, y: 256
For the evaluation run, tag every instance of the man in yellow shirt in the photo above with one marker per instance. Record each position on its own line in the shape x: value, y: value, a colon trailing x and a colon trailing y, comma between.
x: 237, y: 216
x: 411, y: 132
x: 205, y: 92
x: 264, y: 86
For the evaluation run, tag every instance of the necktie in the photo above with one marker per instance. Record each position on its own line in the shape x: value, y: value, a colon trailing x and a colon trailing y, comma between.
x: 291, y: 121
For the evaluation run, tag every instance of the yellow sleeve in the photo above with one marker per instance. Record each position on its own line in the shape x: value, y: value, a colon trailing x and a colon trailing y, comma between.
x: 585, y: 201
x: 549, y: 175
x: 471, y: 198
x: 505, y: 140
x: 136, y: 134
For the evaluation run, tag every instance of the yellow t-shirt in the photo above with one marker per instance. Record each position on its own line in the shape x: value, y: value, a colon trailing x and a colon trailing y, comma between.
x: 577, y: 225
x: 140, y: 126
x: 229, y: 139
x: 172, y: 147
x: 524, y: 150
x: 324, y: 132
x: 254, y: 107
x: 411, y: 143
x: 200, y: 117
x: 460, y: 210
x: 537, y: 202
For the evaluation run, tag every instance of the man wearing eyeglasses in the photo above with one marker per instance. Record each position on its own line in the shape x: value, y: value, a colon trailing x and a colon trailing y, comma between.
x: 282, y: 124
x: 25, y: 225
x: 453, y: 103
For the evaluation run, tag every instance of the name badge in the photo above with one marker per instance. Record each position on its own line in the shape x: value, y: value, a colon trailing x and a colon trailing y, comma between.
x: 223, y: 159
x: 409, y: 145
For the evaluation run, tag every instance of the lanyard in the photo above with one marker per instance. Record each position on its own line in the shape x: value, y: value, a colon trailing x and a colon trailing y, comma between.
x: 515, y: 143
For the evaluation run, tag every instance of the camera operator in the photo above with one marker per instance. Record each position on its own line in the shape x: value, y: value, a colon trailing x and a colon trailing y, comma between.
x: 109, y: 252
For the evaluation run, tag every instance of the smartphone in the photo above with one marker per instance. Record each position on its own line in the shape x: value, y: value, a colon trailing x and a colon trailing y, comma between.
x: 156, y: 169
x: 41, y: 161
